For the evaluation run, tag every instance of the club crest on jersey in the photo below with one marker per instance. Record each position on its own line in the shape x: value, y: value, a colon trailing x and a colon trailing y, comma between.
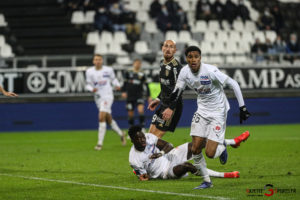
x: 204, y: 80
x: 168, y: 68
x: 217, y: 129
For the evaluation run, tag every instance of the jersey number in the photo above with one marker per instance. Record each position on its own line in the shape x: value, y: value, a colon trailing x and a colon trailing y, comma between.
x: 196, y: 118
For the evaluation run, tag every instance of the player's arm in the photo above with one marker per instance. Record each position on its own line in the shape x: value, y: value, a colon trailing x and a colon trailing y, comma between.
x: 164, y: 147
x: 139, y: 171
x: 8, y: 94
x: 225, y: 79
x: 144, y: 177
x: 244, y: 114
x: 115, y: 81
x: 154, y: 103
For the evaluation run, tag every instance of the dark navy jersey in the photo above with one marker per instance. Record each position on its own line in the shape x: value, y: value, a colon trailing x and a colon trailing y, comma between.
x: 167, y: 77
x: 134, y: 84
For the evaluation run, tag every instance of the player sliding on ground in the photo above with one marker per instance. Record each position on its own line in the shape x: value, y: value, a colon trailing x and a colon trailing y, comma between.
x: 209, y: 121
x: 152, y: 158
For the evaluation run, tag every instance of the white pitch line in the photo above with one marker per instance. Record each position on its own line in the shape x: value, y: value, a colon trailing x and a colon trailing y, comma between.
x: 116, y: 187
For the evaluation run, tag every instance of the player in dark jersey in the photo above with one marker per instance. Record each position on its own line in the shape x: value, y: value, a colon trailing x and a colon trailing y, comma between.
x: 169, y: 70
x: 133, y: 90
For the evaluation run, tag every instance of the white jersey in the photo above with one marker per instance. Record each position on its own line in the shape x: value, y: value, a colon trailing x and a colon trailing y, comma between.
x: 142, y: 164
x: 103, y: 80
x: 208, y: 84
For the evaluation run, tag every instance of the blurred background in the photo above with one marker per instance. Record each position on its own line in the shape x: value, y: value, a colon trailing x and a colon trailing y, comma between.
x: 46, y: 46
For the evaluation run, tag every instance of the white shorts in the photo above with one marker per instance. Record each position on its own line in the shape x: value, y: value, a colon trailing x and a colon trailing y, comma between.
x: 176, y: 156
x: 104, y: 104
x: 210, y: 128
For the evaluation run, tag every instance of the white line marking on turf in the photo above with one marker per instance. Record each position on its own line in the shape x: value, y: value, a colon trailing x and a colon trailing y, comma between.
x: 116, y: 187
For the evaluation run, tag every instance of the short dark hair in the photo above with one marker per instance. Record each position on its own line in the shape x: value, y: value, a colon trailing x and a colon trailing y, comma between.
x: 133, y: 130
x: 192, y: 48
x: 98, y: 55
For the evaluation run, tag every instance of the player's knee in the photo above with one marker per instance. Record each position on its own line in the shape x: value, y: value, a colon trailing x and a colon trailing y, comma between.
x: 209, y: 154
x: 196, y: 150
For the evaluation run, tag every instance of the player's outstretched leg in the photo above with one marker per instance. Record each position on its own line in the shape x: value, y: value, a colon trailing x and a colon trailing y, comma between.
x: 224, y: 156
x: 237, y: 140
x: 234, y: 174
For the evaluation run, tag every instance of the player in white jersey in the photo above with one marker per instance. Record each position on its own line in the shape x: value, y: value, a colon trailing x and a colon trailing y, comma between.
x: 100, y: 80
x: 209, y: 121
x: 8, y: 94
x: 151, y: 158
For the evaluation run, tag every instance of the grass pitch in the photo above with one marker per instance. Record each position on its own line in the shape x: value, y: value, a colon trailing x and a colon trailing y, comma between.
x: 64, y: 165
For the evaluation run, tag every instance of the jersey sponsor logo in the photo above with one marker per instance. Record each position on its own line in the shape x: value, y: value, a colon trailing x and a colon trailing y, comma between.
x: 101, y: 83
x: 106, y: 75
x: 204, y: 80
x: 203, y: 90
x: 135, y: 82
x: 164, y: 81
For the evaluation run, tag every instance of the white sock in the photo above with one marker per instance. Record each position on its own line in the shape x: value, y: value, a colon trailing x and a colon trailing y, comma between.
x: 215, y: 173
x: 115, y: 127
x: 230, y: 142
x: 219, y: 150
x: 101, y: 132
x: 200, y: 164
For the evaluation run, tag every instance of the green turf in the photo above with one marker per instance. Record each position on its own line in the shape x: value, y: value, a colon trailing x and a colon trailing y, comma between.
x: 270, y: 156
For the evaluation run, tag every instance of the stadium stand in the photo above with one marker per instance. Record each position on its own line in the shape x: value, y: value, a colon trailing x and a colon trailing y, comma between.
x: 47, y: 27
x: 42, y: 27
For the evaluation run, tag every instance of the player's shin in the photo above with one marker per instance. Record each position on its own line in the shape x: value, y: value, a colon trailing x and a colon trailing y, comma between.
x: 200, y: 164
x: 215, y: 173
x: 230, y: 142
x: 219, y: 150
x: 101, y: 132
x: 115, y: 127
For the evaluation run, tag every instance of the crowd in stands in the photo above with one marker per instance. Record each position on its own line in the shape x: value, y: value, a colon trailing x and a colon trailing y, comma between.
x: 273, y: 50
x: 115, y: 15
x: 229, y: 11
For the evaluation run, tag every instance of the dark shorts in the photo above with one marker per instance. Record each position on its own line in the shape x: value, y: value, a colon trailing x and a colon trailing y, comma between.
x: 131, y: 104
x: 169, y: 125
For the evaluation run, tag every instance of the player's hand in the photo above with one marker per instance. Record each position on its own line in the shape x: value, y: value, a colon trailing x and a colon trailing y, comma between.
x: 167, y: 114
x: 244, y: 114
x: 144, y: 177
x: 10, y: 94
x: 117, y: 88
x: 153, y: 104
x: 124, y: 95
x: 155, y: 155
x: 95, y: 90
